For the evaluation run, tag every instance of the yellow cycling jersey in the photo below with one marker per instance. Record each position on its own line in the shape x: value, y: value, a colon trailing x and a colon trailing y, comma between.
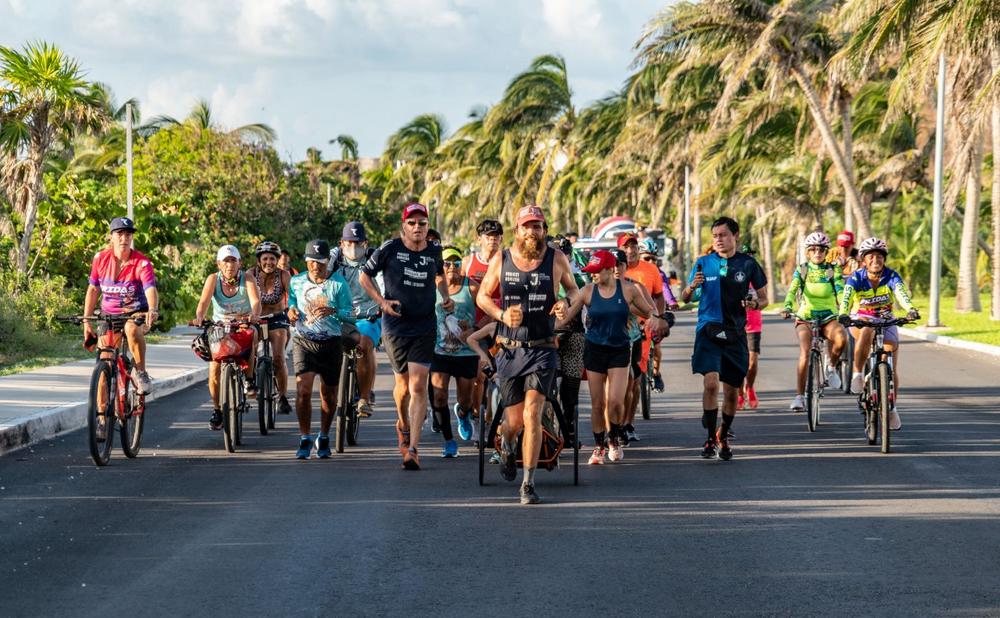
x: 864, y: 299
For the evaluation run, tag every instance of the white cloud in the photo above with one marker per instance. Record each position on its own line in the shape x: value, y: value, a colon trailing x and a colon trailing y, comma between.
x: 172, y: 95
x: 17, y: 6
x: 324, y: 9
x: 573, y: 18
x: 268, y: 28
x: 245, y: 103
x: 317, y: 68
x: 409, y: 14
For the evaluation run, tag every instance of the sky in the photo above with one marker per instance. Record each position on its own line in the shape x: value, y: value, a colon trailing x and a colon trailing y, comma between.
x: 315, y: 69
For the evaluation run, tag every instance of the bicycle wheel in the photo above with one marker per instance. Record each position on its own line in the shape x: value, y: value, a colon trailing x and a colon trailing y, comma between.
x: 101, y: 419
x: 228, y: 403
x: 481, y: 443
x: 576, y: 445
x: 272, y: 409
x: 486, y: 416
x: 241, y: 408
x: 870, y: 410
x: 884, y: 387
x: 644, y: 393
x: 340, y: 418
x: 131, y: 429
x: 353, y: 420
x: 264, y: 393
x: 844, y: 367
x: 814, y: 382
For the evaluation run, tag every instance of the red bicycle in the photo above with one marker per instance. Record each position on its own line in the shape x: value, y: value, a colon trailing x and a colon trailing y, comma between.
x: 114, y: 395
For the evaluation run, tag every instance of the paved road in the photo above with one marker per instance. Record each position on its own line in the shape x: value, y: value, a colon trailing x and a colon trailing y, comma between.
x: 796, y: 524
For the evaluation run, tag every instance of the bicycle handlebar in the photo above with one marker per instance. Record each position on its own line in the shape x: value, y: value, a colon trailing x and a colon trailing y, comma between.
x: 883, y: 324
x: 371, y: 315
x: 105, y: 317
x: 208, y: 323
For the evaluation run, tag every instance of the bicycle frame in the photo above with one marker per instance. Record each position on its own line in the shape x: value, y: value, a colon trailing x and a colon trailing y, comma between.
x: 121, y: 363
x: 877, y: 398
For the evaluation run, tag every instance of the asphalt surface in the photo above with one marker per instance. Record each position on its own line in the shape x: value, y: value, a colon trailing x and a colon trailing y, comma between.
x: 796, y: 524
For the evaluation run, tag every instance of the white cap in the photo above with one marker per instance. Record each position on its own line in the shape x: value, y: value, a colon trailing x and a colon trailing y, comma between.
x: 226, y: 251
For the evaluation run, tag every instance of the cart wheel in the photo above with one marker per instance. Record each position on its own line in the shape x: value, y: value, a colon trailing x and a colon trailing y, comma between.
x: 576, y: 445
x: 482, y: 447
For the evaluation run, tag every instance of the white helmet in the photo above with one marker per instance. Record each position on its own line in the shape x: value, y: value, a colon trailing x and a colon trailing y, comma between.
x: 869, y: 245
x: 817, y: 239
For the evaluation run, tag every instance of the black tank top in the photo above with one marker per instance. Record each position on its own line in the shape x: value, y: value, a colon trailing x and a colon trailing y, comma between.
x: 535, y: 292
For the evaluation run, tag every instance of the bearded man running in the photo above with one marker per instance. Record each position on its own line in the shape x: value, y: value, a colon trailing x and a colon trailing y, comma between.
x: 528, y: 276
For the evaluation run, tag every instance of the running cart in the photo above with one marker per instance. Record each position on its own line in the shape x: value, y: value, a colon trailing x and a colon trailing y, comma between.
x: 557, y: 433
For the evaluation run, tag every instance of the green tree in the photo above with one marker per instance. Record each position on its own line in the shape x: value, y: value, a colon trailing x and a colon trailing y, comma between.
x: 912, y: 34
x: 42, y: 95
x: 782, y: 40
x: 200, y: 118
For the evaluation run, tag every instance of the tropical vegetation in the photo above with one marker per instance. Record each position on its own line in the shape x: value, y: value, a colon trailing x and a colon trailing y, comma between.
x: 792, y: 115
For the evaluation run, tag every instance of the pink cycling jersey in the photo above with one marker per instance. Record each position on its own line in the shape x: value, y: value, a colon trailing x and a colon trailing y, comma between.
x: 122, y: 291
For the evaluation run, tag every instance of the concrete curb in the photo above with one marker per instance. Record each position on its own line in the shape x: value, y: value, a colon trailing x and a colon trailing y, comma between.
x: 50, y: 423
x: 952, y: 342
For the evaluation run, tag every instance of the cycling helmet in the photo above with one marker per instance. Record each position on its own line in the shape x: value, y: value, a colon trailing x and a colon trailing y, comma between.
x: 268, y: 247
x: 648, y: 245
x: 199, y: 345
x: 869, y: 245
x: 817, y: 239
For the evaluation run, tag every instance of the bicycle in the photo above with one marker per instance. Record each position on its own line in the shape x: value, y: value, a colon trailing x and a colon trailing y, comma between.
x: 489, y: 409
x: 348, y: 419
x: 267, y: 382
x: 819, y: 353
x: 646, y: 380
x: 646, y: 386
x: 558, y: 431
x: 877, y: 396
x: 846, y: 365
x: 232, y: 382
x: 121, y: 401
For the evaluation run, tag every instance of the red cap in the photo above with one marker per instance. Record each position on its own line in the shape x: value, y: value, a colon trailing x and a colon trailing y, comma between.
x: 624, y: 238
x: 600, y: 260
x: 845, y: 238
x: 530, y: 213
x: 414, y: 209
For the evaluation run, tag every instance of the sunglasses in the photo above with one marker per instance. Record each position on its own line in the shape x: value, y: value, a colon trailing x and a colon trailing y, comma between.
x: 417, y: 223
x: 649, y: 258
x: 452, y: 263
x: 723, y: 267
x: 818, y: 248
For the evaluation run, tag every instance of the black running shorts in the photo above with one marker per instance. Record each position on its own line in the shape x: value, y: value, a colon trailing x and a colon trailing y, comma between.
x: 599, y: 358
x: 405, y: 350
x: 323, y: 357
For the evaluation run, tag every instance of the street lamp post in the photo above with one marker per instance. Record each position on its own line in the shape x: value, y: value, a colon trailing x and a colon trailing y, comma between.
x: 933, y: 320
x: 128, y: 159
x: 688, y: 257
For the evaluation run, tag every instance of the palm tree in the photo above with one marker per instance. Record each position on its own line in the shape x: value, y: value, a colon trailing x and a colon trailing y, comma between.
x: 42, y: 95
x: 97, y: 153
x: 314, y: 167
x: 200, y: 118
x: 535, y: 117
x: 914, y: 33
x: 411, y: 152
x: 418, y: 138
x: 773, y: 41
x: 348, y: 147
x: 348, y: 164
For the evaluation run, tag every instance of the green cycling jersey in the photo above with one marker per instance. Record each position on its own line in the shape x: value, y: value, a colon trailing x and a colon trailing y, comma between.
x: 818, y: 288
